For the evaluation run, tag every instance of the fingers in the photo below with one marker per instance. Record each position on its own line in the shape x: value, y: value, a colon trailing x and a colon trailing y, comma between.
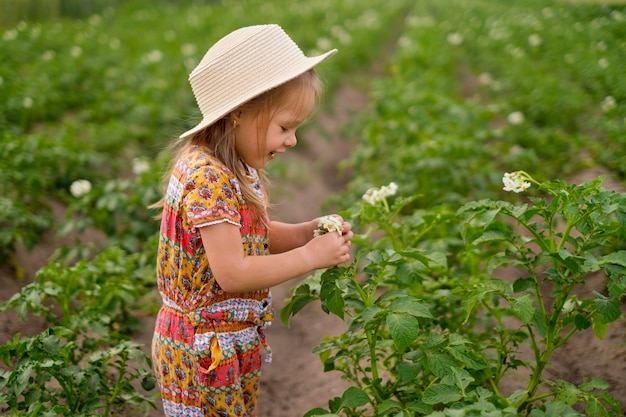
x: 345, y: 250
x: 341, y: 249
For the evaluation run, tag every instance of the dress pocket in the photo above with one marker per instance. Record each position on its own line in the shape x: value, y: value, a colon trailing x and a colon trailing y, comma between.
x: 208, y: 351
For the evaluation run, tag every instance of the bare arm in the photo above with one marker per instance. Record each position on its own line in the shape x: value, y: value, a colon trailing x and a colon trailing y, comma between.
x: 285, y: 237
x: 235, y: 272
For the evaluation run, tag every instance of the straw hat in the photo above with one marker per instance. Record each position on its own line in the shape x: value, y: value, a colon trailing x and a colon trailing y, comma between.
x: 242, y: 65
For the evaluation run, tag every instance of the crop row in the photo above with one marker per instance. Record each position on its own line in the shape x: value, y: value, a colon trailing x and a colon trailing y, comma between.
x: 459, y: 284
x: 80, y: 102
x: 87, y: 106
x: 476, y: 90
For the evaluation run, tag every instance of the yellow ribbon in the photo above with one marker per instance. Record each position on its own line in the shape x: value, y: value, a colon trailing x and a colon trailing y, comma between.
x: 216, y: 353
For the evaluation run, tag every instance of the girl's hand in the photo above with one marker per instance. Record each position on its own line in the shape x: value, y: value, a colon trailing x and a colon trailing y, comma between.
x: 322, y: 225
x: 346, y: 231
x: 328, y: 250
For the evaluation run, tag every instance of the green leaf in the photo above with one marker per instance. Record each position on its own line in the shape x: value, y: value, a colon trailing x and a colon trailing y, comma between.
x: 498, y: 261
x: 522, y: 284
x: 319, y: 412
x: 420, y: 407
x: 335, y: 303
x: 93, y: 380
x: 617, y: 258
x: 354, y: 397
x: 523, y: 308
x: 91, y: 405
x: 572, y: 262
x: 403, y: 328
x: 441, y: 393
x: 409, y: 273
x: 294, y: 305
x: 566, y: 392
x: 408, y: 371
x: 490, y: 236
x: 595, y: 383
x: 459, y: 377
x: 371, y: 313
x: 388, y: 406
x: 559, y: 409
x: 600, y: 327
x: 467, y: 357
x: 616, y: 289
x: 581, y: 322
x: 23, y: 378
x: 51, y: 344
x: 517, y: 396
x: 436, y: 259
x: 410, y: 306
x: 609, y: 307
x: 540, y: 324
x: 440, y: 364
x: 148, y: 382
x: 32, y: 397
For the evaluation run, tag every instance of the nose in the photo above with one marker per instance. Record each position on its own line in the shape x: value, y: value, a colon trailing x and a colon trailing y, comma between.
x: 291, y: 141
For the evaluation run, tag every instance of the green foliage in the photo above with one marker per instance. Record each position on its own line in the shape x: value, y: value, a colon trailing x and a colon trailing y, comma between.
x: 477, y: 87
x: 34, y: 169
x: 53, y: 377
x: 77, y: 102
x: 474, y: 89
x: 436, y: 329
x: 83, y: 363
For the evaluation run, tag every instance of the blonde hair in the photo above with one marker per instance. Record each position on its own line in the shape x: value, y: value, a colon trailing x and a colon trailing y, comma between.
x: 219, y: 137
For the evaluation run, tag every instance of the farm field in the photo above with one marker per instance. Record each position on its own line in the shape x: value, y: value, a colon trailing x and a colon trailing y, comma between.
x: 466, y: 298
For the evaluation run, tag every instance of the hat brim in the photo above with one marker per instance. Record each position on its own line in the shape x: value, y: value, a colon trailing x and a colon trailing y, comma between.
x: 289, y: 75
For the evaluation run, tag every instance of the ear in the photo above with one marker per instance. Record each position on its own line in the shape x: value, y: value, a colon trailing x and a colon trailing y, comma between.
x: 236, y: 115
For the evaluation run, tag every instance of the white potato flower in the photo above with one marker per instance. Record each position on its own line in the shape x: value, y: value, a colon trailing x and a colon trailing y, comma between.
x: 455, y: 38
x: 608, y: 104
x: 515, y: 118
x: 76, y: 51
x: 377, y: 195
x: 140, y: 166
x: 80, y: 188
x: 535, y: 40
x: 514, y: 181
x: 327, y: 224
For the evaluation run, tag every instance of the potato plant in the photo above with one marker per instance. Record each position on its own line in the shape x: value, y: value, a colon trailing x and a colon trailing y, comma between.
x: 85, y: 362
x: 433, y: 329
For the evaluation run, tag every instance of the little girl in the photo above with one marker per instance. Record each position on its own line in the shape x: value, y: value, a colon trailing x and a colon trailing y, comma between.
x: 219, y: 253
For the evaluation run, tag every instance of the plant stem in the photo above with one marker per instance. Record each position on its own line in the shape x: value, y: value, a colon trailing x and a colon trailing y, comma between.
x: 542, y: 361
x: 566, y: 232
x: 366, y: 299
x: 371, y: 341
x: 116, y: 387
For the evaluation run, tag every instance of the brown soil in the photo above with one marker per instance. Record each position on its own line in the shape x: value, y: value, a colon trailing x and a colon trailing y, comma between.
x: 295, y: 381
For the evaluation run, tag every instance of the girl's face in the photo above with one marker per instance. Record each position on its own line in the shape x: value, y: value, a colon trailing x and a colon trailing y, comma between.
x: 257, y: 147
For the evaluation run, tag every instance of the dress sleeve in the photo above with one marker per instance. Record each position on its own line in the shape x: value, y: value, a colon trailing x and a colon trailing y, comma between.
x: 211, y: 197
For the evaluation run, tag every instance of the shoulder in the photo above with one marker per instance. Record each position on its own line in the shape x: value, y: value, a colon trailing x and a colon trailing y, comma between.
x: 198, y: 171
x: 197, y: 161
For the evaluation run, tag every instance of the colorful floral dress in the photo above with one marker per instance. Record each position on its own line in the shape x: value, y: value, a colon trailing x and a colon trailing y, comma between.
x: 207, y: 345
